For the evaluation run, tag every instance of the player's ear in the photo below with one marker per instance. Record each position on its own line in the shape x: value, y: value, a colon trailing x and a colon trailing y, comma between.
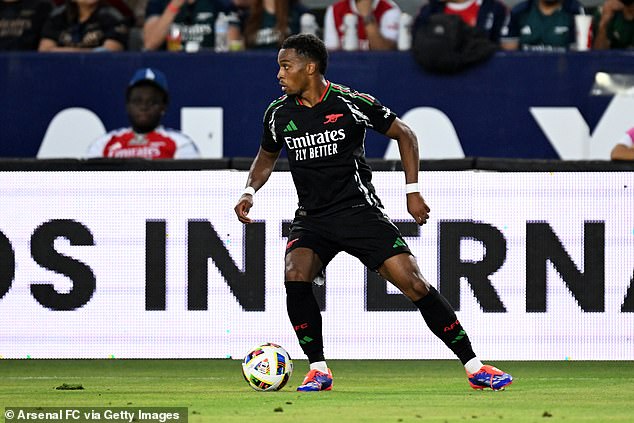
x: 311, y: 68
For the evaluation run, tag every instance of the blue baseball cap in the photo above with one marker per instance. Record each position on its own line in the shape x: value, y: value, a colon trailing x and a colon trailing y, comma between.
x: 151, y: 75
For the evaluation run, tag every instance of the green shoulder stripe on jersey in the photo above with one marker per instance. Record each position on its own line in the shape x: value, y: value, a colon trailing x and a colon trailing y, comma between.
x: 275, y: 103
x: 342, y: 89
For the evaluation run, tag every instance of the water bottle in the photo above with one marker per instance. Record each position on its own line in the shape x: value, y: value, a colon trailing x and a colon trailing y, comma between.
x: 220, y: 29
x: 308, y: 24
x: 350, y: 36
x: 405, y: 32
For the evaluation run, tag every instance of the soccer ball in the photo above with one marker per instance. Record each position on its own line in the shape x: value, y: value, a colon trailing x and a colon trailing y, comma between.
x: 267, y: 367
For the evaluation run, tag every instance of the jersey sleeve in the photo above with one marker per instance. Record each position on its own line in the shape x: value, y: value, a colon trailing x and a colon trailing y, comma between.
x: 270, y: 141
x: 96, y: 149
x: 374, y: 114
x: 187, y: 151
x: 186, y: 148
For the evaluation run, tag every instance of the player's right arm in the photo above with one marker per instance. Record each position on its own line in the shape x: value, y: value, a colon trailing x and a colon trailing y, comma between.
x: 261, y: 169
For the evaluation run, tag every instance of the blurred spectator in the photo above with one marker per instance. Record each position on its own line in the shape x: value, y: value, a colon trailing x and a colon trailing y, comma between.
x: 270, y: 22
x: 177, y: 25
x: 624, y: 149
x: 444, y: 43
x: 237, y: 16
x: 21, y: 23
x: 81, y: 25
x: 147, y: 98
x: 542, y: 25
x: 613, y: 25
x: 134, y: 10
x: 377, y: 24
x: 488, y: 15
x: 121, y: 5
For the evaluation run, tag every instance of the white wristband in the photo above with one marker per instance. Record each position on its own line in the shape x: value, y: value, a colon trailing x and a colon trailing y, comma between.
x: 249, y: 190
x: 410, y: 188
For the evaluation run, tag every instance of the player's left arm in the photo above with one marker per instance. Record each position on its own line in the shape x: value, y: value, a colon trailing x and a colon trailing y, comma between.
x: 408, y: 148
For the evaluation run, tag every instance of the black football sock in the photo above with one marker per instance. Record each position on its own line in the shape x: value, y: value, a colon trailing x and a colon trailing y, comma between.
x: 442, y: 321
x: 305, y: 317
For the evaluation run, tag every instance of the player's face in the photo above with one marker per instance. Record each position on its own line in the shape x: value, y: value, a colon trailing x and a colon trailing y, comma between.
x: 145, y: 107
x: 293, y: 74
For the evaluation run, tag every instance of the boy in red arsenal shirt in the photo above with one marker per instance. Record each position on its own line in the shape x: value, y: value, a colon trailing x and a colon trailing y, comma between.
x: 146, y: 102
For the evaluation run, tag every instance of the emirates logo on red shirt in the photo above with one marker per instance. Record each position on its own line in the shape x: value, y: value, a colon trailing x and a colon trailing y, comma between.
x: 148, y: 146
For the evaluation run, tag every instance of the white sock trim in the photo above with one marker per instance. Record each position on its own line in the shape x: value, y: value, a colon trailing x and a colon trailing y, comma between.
x: 319, y: 365
x: 473, y: 365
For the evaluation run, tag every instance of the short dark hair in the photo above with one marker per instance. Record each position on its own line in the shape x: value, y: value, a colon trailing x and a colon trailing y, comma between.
x: 309, y: 46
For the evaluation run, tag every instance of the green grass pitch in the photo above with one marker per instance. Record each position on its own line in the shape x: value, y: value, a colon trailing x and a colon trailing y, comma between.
x: 364, y: 391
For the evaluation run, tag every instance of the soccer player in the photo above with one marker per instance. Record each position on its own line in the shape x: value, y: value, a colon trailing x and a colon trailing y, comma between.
x: 322, y: 125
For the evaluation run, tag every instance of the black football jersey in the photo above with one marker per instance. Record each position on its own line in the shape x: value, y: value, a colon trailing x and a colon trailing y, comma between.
x: 325, y: 146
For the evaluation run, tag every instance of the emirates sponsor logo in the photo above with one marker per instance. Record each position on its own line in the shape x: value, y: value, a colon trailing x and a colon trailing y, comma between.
x: 147, y: 152
x: 312, y: 146
x: 311, y: 140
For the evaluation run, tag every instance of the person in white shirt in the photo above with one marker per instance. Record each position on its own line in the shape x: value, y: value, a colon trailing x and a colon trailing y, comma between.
x: 377, y: 24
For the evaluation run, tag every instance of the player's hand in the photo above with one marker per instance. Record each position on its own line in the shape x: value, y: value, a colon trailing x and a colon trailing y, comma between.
x: 242, y: 208
x: 417, y: 207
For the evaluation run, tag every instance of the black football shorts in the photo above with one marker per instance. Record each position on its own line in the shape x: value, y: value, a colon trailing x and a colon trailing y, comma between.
x: 364, y: 232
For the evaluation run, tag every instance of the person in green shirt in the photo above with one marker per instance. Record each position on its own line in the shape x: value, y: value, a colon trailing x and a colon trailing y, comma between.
x: 181, y: 25
x: 270, y: 22
x: 613, y: 25
x: 542, y: 25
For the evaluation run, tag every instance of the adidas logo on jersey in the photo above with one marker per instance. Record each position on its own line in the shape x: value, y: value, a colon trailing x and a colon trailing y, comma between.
x: 399, y: 243
x: 290, y: 127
